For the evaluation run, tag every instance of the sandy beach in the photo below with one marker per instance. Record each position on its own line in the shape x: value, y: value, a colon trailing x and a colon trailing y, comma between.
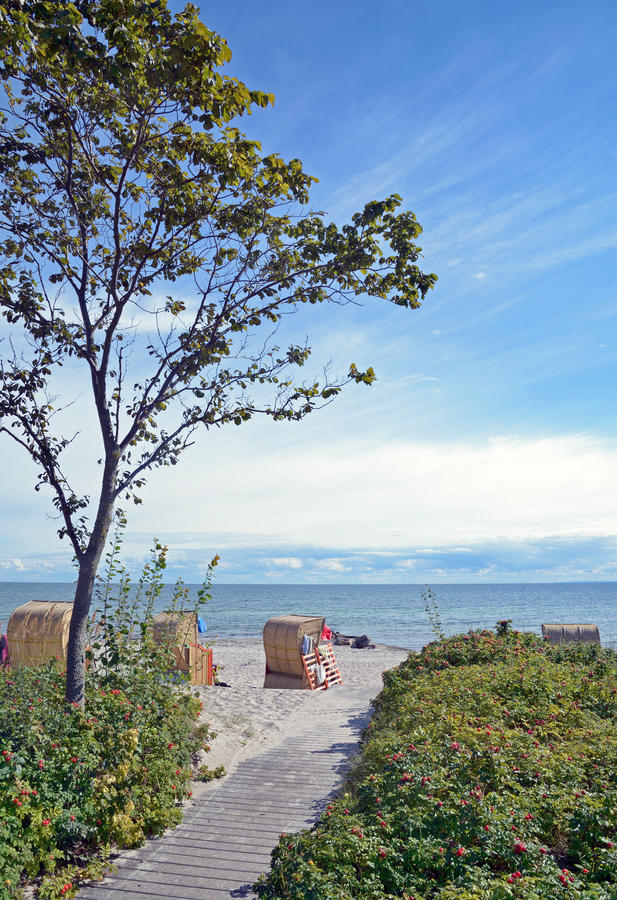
x: 248, y: 719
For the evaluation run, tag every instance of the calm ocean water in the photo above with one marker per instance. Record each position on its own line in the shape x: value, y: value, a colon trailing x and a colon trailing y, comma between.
x: 388, y: 613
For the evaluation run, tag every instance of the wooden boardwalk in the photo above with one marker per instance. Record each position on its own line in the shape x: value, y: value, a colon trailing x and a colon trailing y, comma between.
x: 227, y: 834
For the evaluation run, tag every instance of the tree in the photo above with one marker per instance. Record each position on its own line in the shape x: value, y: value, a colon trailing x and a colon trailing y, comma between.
x: 129, y: 194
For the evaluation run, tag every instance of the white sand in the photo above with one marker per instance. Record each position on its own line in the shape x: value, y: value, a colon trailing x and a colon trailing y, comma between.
x: 248, y: 718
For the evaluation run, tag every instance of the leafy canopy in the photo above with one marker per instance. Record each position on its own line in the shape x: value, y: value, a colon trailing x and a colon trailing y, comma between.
x: 143, y: 235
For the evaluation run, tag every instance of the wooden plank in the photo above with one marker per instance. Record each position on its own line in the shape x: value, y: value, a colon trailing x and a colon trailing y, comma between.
x: 235, y: 841
x: 156, y: 878
x: 213, y: 850
x: 175, y: 864
x: 186, y: 888
x: 205, y: 868
x: 199, y: 843
x: 142, y: 892
x: 205, y: 828
x: 251, y: 814
x: 293, y: 800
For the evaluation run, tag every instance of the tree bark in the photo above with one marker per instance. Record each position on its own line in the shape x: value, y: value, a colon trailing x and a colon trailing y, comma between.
x: 88, y: 565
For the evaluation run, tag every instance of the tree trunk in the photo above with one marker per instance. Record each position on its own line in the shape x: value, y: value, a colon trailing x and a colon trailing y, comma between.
x: 76, y: 651
x: 88, y: 565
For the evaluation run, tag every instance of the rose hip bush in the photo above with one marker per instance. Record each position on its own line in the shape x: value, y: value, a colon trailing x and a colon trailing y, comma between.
x: 72, y: 780
x: 75, y: 783
x: 489, y: 771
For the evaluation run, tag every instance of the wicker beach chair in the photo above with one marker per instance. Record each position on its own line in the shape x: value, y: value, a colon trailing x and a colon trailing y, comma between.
x: 190, y: 658
x: 37, y: 632
x: 570, y: 634
x: 282, y: 636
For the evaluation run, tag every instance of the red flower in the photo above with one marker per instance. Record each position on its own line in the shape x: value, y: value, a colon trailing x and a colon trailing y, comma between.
x: 520, y: 847
x: 460, y: 851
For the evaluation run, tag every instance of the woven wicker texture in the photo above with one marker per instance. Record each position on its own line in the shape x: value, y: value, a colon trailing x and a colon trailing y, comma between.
x: 282, y: 637
x: 569, y: 634
x: 37, y: 632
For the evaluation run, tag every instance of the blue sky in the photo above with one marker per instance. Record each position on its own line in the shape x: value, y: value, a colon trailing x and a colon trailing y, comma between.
x: 487, y: 449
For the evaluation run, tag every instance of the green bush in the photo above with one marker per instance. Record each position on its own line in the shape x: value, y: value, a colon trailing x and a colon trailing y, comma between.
x: 489, y: 771
x: 73, y: 783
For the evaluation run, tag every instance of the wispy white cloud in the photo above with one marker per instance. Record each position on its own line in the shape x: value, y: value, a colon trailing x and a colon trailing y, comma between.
x: 441, y: 551
x: 13, y: 564
x: 26, y: 565
x: 286, y: 562
x: 332, y: 565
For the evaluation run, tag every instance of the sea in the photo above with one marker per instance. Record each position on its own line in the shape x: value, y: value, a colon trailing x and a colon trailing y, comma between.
x: 392, y: 614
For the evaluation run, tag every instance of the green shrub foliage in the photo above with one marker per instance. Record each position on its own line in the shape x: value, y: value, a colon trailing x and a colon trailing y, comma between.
x: 75, y: 783
x: 489, y: 772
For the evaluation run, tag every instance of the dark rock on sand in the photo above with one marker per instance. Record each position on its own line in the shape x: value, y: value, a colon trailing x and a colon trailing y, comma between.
x: 363, y: 643
x: 342, y: 640
x: 360, y: 642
